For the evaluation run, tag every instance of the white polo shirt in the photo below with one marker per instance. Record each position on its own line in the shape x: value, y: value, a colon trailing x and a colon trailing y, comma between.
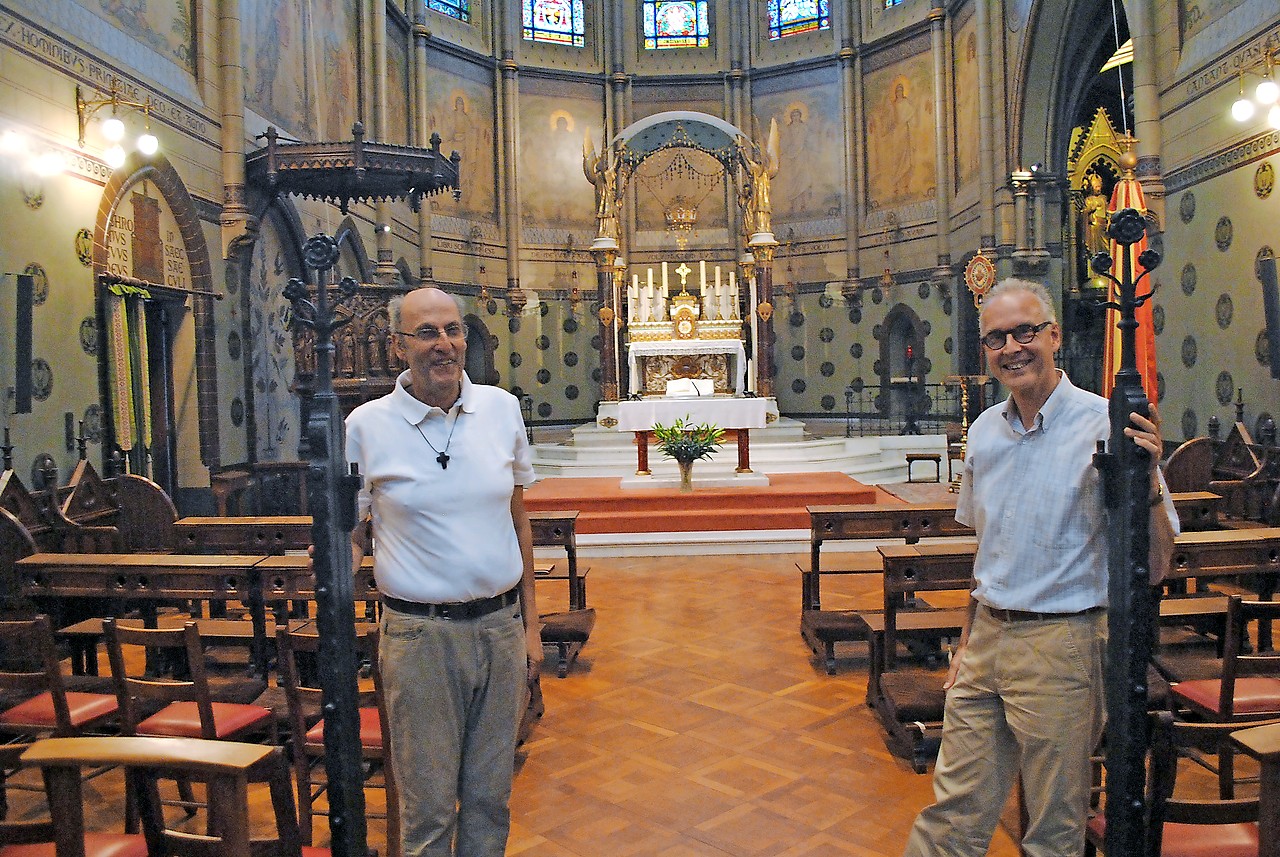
x: 443, y: 534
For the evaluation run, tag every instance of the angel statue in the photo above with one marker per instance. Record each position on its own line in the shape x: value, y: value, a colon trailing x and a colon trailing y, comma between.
x: 602, y: 172
x: 762, y: 165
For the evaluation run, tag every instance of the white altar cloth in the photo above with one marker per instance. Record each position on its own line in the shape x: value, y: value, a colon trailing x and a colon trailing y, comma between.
x: 725, y: 412
x: 731, y: 347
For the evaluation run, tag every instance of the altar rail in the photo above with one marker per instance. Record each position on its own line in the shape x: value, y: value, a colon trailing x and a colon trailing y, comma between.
x: 908, y: 407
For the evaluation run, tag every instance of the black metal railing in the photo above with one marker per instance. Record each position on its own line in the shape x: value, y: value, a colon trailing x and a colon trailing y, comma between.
x: 909, y: 407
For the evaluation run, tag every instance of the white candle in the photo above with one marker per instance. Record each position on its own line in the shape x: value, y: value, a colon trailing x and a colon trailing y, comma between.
x: 633, y: 296
x: 664, y: 281
x: 733, y: 296
x: 702, y: 269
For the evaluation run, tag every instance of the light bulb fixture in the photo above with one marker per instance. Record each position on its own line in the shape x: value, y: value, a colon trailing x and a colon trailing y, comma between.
x: 1265, y: 94
x: 113, y: 127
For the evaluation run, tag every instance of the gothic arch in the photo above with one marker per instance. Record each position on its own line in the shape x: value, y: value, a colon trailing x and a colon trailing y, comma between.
x: 158, y: 170
x: 349, y: 239
x: 902, y: 360
x: 480, y: 366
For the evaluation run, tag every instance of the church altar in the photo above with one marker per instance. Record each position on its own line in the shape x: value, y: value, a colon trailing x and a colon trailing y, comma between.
x: 655, y: 362
x: 723, y: 411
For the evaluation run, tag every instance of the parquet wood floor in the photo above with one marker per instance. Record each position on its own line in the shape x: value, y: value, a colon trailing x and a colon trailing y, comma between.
x: 696, y: 722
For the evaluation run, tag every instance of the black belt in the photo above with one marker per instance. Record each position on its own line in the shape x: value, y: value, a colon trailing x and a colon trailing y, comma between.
x: 1032, y: 616
x: 455, y: 609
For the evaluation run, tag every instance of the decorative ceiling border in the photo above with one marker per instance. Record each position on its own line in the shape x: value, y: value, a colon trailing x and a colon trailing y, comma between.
x: 1255, y: 149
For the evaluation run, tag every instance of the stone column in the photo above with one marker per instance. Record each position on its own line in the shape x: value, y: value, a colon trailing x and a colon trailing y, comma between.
x: 942, y: 163
x: 508, y: 130
x: 605, y: 253
x: 1146, y: 105
x: 384, y: 270
x: 763, y: 247
x: 986, y: 130
x: 421, y: 135
x: 238, y: 225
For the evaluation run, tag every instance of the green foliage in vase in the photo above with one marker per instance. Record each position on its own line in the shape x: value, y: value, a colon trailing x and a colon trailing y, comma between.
x: 686, y: 441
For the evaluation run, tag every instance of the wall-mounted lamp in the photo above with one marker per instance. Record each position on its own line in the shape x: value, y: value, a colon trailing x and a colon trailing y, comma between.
x: 1266, y: 95
x: 113, y: 128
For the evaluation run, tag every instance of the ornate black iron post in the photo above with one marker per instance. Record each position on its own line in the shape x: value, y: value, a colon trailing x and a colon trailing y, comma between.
x: 1132, y: 602
x: 331, y: 494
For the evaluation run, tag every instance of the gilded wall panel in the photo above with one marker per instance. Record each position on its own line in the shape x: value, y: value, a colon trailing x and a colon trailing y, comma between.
x: 965, y: 76
x: 553, y: 190
x: 460, y: 110
x: 810, y: 180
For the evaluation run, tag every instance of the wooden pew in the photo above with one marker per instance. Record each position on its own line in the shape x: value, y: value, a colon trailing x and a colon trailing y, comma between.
x: 822, y: 629
x: 910, y: 701
x: 242, y: 534
x: 1197, y: 510
x: 566, y: 631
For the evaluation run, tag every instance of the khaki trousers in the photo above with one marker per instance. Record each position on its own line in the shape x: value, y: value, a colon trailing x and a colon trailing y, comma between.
x: 1028, y: 700
x: 453, y: 691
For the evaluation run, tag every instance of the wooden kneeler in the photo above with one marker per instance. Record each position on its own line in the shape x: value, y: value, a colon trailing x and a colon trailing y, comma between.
x: 568, y: 632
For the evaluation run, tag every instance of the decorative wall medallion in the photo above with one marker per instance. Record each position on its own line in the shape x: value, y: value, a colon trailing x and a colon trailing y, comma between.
x: 857, y: 384
x: 1264, y: 180
x: 1159, y: 387
x: 543, y: 309
x: 543, y: 342
x: 1156, y: 242
x: 878, y: 367
x: 491, y: 307
x: 828, y: 403
x: 947, y: 305
x: 877, y: 332
x: 1189, y: 351
x: 1223, y: 233
x: 237, y: 412
x: 926, y: 326
x: 544, y: 410
x: 543, y: 376
x: 233, y: 345
x: 1264, y: 428
x: 1224, y: 310
x: 84, y: 247
x: 795, y: 319
x: 923, y: 291
x: 93, y: 423
x: 89, y: 336
x: 570, y: 325
x: 1189, y: 424
x: 41, y: 379
x: 948, y: 345
x: 571, y: 392
x: 597, y: 375
x: 797, y: 352
x: 515, y: 359
x: 825, y: 301
x: 827, y: 369
x: 1224, y: 387
x: 1264, y: 252
x: 513, y: 324
x: 1261, y: 348
x: 1187, y: 207
x: 1157, y: 319
x: 855, y: 351
x: 877, y: 296
x: 40, y: 293
x: 1188, y: 278
x: 596, y: 342
x: 798, y: 386
x: 826, y: 334
x: 925, y: 366
x: 32, y: 190
x: 571, y: 358
x: 855, y: 315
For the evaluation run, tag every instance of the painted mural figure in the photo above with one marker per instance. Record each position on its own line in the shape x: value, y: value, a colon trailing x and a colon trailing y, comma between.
x: 905, y: 115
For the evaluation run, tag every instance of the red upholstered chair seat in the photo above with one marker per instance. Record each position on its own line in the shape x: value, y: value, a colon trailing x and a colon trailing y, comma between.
x: 38, y: 712
x: 1195, y: 840
x: 1255, y: 695
x: 95, y: 845
x: 370, y: 730
x: 182, y: 720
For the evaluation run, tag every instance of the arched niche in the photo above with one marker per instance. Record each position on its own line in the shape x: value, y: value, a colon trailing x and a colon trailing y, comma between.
x: 903, y: 365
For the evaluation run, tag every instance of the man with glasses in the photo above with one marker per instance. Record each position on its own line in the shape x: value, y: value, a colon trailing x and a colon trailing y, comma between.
x: 1025, y: 686
x: 444, y: 464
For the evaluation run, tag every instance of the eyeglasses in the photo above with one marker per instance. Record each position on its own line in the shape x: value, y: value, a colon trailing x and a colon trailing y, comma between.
x: 428, y: 334
x: 1022, y: 334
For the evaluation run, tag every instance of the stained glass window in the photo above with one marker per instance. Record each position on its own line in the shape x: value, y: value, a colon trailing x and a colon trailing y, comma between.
x: 792, y: 17
x: 460, y: 9
x: 676, y: 24
x: 559, y: 22
x: 889, y: 4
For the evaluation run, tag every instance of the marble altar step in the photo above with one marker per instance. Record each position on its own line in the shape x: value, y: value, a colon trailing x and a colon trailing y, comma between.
x: 784, y: 447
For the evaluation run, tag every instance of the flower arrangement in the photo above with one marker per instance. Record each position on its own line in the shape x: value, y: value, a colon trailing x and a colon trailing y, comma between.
x: 686, y: 442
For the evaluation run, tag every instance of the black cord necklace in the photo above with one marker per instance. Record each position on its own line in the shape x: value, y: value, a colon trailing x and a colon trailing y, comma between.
x: 442, y: 455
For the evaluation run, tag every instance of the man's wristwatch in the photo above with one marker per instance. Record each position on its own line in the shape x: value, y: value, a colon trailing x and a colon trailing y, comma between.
x: 1158, y: 499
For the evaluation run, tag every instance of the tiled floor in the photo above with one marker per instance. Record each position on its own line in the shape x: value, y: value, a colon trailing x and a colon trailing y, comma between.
x: 696, y: 722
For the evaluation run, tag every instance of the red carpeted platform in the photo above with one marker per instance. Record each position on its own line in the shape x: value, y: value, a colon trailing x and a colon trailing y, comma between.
x: 604, y: 507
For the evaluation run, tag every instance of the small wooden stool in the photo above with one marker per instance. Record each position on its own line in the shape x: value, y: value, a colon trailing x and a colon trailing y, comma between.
x: 913, y: 457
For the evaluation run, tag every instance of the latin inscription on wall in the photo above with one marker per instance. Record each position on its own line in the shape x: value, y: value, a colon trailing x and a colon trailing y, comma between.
x: 143, y: 242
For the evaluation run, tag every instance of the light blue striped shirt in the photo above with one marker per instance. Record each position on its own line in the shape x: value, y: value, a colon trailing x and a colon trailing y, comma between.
x: 1036, y: 502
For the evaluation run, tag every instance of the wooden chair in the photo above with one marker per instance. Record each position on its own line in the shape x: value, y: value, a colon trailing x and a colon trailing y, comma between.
x: 306, y: 730
x: 34, y: 700
x: 565, y: 631
x: 1249, y: 686
x: 176, y: 707
x: 1181, y: 827
x: 228, y: 768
